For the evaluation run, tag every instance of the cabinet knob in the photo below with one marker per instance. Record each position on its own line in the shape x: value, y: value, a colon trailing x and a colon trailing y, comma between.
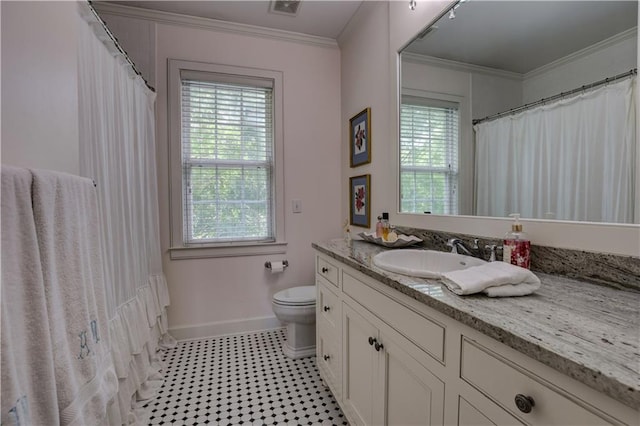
x: 325, y: 270
x: 326, y: 308
x: 372, y: 341
x: 326, y: 357
x: 379, y: 347
x: 524, y: 403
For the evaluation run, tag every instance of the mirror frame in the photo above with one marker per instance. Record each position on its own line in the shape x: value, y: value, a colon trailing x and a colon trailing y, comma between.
x: 622, y: 239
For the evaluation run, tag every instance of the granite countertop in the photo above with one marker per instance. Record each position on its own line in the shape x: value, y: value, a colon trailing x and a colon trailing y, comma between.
x: 588, y: 332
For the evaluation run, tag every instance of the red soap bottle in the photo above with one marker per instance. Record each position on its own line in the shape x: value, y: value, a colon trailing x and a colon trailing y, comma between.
x: 516, y: 245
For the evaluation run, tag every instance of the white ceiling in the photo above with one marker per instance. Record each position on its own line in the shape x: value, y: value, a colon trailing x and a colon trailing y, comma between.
x: 324, y: 18
x: 514, y: 35
x: 521, y: 36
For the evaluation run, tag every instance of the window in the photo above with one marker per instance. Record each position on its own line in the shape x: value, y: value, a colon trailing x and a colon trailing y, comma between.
x: 225, y: 146
x: 428, y: 156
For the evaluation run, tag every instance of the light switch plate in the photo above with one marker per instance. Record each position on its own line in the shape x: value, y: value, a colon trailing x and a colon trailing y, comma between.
x: 296, y: 206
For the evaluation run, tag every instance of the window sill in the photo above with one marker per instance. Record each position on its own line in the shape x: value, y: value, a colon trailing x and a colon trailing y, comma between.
x: 228, y: 250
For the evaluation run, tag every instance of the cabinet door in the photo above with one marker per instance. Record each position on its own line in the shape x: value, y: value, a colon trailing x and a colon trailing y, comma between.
x: 412, y: 394
x: 328, y: 358
x: 360, y: 362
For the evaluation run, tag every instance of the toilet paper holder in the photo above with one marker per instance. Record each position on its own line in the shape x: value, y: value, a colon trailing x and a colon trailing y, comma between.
x: 267, y: 264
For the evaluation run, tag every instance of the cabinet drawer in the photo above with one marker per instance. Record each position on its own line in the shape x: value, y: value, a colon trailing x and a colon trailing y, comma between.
x: 328, y: 270
x: 328, y: 305
x: 502, y: 381
x: 423, y: 332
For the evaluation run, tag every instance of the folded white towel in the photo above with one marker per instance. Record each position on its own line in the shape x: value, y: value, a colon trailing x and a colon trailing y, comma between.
x: 496, y: 279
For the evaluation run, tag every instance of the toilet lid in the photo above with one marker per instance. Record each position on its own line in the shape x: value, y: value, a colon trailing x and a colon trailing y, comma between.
x: 305, y: 295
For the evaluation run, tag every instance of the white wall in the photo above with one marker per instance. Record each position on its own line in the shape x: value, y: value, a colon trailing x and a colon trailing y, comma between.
x: 219, y: 295
x: 492, y: 94
x: 358, y: 47
x: 593, y: 64
x: 138, y: 39
x: 40, y: 85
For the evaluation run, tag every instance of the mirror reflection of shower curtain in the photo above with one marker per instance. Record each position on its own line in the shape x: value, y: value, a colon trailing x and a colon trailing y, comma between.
x: 574, y: 159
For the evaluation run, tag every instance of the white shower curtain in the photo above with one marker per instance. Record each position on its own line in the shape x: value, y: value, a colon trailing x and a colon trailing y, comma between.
x: 573, y: 159
x: 117, y: 150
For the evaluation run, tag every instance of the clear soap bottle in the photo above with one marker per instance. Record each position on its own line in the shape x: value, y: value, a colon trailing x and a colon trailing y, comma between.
x: 516, y: 245
x: 379, y: 227
x: 385, y: 226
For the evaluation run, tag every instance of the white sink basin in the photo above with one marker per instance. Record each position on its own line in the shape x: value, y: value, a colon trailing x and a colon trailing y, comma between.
x: 423, y: 263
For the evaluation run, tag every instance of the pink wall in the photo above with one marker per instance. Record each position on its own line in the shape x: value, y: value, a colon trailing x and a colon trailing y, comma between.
x: 39, y: 85
x: 225, y: 294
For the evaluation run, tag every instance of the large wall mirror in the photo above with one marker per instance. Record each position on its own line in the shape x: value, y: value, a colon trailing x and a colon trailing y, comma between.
x: 522, y: 107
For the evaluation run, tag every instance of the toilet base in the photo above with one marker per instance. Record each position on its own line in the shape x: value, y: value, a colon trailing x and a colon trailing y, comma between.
x: 298, y: 353
x: 301, y: 341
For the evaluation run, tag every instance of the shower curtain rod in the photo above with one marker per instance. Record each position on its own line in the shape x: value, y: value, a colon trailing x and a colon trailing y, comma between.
x: 117, y: 44
x: 555, y: 97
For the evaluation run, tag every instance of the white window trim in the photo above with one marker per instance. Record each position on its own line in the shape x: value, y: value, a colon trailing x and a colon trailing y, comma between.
x: 177, y: 248
x: 431, y: 98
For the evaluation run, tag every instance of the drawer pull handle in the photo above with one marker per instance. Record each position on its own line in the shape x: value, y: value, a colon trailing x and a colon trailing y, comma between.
x: 372, y: 341
x: 524, y: 403
x: 326, y: 308
x: 379, y: 347
x: 326, y: 357
x: 325, y: 270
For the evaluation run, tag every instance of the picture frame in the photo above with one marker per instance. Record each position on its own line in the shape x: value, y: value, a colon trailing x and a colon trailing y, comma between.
x: 360, y: 138
x: 360, y: 201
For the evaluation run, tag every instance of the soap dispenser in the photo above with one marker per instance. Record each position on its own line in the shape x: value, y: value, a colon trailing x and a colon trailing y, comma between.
x: 379, y: 227
x: 517, y: 246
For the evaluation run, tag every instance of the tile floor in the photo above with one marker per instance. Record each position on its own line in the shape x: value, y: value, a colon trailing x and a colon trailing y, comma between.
x: 242, y: 379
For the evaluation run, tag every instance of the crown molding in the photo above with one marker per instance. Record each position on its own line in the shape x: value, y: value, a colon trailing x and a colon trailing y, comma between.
x: 601, y: 45
x: 459, y: 66
x: 211, y: 24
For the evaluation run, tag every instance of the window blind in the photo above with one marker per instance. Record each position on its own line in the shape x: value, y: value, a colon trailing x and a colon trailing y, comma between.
x: 227, y: 152
x: 428, y: 156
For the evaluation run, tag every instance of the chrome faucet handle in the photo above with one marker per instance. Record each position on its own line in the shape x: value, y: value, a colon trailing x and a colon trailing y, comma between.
x: 453, y: 243
x: 475, y: 244
x: 492, y: 248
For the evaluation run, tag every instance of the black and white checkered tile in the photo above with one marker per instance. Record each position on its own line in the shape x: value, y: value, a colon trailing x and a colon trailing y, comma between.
x: 242, y: 379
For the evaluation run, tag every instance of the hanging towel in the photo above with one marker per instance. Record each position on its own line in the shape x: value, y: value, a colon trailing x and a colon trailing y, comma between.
x: 495, y: 279
x: 67, y: 227
x: 28, y: 379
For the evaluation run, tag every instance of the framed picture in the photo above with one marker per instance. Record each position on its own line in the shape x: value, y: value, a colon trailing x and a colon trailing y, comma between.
x: 360, y: 138
x: 360, y: 200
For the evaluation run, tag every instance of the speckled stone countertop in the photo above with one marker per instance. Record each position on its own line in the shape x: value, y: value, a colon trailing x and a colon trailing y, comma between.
x: 588, y: 332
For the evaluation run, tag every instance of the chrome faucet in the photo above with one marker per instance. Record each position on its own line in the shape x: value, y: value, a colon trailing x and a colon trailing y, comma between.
x: 459, y: 247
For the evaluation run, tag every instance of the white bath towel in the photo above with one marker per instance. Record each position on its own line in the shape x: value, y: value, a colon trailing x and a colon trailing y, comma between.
x: 496, y: 279
x: 28, y: 379
x: 67, y: 226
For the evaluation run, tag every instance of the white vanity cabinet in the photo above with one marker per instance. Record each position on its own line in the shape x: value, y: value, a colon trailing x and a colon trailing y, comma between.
x: 382, y: 382
x: 392, y: 360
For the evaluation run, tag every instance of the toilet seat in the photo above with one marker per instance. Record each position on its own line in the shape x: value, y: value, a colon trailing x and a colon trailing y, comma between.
x: 296, y: 296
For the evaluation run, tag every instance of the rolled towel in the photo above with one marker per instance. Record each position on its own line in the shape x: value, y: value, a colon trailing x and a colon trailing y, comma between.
x: 496, y: 279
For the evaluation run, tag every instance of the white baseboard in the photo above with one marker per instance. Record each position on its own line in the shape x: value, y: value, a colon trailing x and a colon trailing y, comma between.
x: 221, y: 328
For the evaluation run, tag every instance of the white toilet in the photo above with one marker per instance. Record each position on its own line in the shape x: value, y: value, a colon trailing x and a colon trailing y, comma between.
x: 296, y: 307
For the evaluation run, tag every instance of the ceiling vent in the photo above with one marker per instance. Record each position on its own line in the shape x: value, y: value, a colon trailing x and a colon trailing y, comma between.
x: 285, y: 7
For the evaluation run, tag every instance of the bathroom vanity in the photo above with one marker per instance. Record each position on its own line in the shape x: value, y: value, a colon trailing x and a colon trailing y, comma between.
x: 400, y: 350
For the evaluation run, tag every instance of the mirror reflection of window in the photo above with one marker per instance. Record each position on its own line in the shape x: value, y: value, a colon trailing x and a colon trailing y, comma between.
x: 429, y: 140
x: 509, y: 58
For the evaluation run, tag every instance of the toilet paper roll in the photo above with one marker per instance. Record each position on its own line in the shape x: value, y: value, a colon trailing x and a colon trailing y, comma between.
x: 277, y: 267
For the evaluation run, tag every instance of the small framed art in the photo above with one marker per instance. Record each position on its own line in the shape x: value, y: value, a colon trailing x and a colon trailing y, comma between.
x: 360, y: 200
x: 360, y: 138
